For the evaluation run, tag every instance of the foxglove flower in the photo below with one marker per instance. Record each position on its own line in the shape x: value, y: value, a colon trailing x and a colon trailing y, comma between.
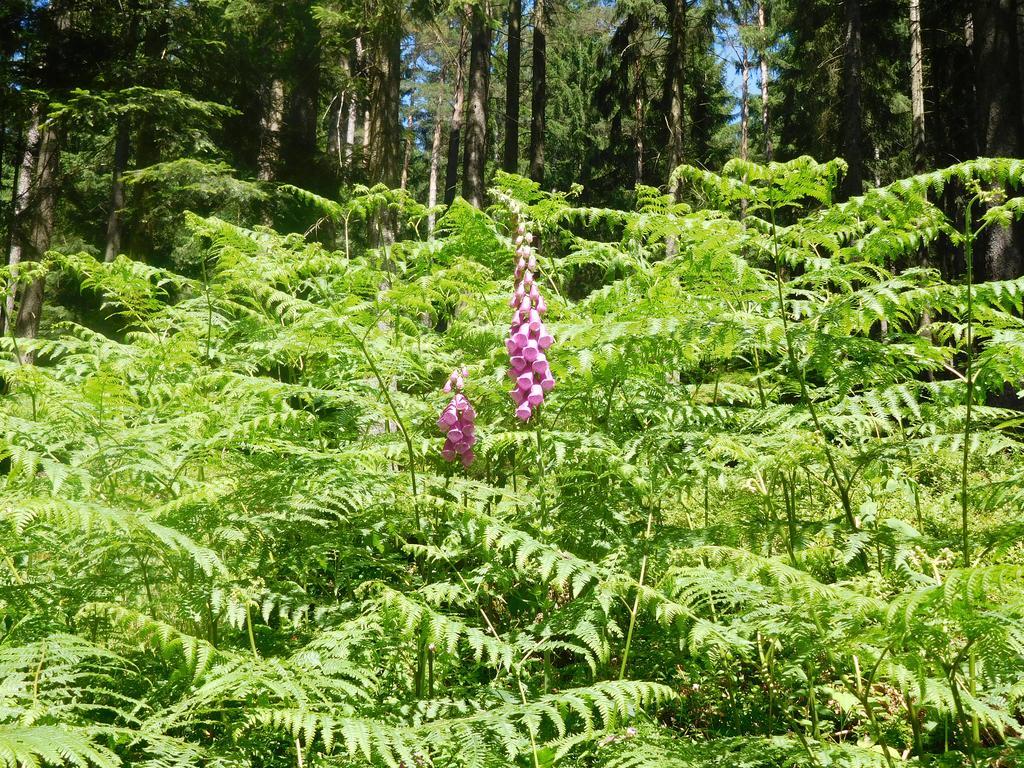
x: 458, y: 421
x: 528, y: 337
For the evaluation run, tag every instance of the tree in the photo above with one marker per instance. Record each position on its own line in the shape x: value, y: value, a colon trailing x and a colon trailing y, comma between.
x: 852, y: 84
x: 458, y: 118
x: 510, y: 156
x: 538, y: 89
x: 475, y: 155
x: 766, y: 127
x: 1000, y: 119
x: 385, y: 74
x: 675, y: 77
x: 917, y: 85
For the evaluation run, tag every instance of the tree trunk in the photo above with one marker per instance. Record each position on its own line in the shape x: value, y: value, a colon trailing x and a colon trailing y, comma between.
x: 638, y: 137
x: 363, y: 68
x: 675, y: 71
x: 335, y: 114
x: 20, y: 226
x: 352, y: 108
x: 744, y: 103
x: 765, y: 125
x: 299, y: 146
x: 917, y: 86
x: 435, y: 155
x: 1000, y: 116
x: 539, y: 90
x: 458, y: 116
x: 510, y: 159
x: 475, y: 155
x: 122, y: 144
x: 408, y: 152
x: 385, y: 95
x: 852, y: 77
x: 269, y: 157
x: 42, y: 212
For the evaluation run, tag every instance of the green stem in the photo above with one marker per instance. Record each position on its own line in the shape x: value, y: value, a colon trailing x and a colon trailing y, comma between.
x: 248, y: 626
x: 841, y: 487
x: 541, y: 472
x: 969, y: 259
x: 636, y: 599
x: 398, y: 420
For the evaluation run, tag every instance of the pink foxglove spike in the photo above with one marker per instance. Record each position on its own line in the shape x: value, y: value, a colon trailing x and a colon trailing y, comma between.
x: 457, y: 420
x: 528, y: 336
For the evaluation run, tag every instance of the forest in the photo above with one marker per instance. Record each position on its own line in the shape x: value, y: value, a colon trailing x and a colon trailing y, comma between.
x: 577, y: 383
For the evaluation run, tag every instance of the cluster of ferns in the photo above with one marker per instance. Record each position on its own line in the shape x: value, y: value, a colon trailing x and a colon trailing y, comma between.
x: 770, y: 516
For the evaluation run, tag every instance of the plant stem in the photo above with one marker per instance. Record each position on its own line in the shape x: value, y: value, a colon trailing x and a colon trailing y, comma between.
x: 541, y: 472
x: 969, y: 259
x: 636, y: 599
x: 398, y: 420
x: 248, y: 626
x: 841, y: 487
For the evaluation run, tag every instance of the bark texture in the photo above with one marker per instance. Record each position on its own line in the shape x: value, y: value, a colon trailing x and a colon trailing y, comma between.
x: 852, y: 86
x: 762, y: 27
x: 42, y: 208
x: 998, y: 88
x: 676, y: 72
x: 510, y: 157
x: 122, y: 144
x: 538, y: 89
x: 476, y: 114
x: 271, y: 120
x: 451, y: 179
x: 917, y: 86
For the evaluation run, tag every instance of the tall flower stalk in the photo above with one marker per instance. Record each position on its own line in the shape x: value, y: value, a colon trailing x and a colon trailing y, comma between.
x: 528, y: 337
x: 458, y: 421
